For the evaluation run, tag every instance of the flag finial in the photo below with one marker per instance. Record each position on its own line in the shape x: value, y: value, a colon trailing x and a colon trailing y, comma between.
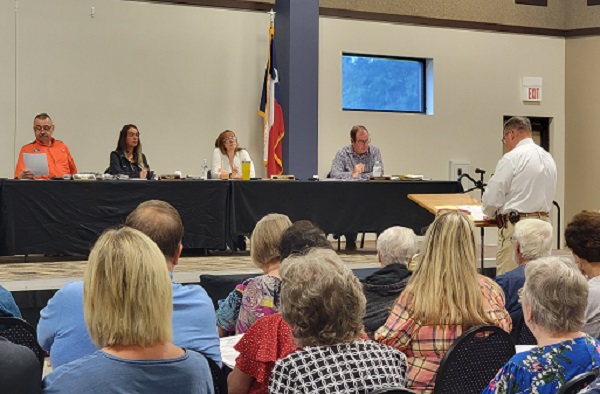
x: 272, y: 16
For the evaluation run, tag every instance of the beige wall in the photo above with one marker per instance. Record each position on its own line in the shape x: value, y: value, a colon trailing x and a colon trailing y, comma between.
x: 7, y: 87
x: 582, y: 189
x: 477, y: 81
x: 183, y: 74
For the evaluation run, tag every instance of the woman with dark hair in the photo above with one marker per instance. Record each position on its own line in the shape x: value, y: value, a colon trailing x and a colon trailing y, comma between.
x: 228, y: 156
x: 127, y: 158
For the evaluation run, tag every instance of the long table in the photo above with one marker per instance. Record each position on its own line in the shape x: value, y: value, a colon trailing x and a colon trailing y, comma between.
x: 66, y: 217
x: 54, y: 217
x: 336, y: 206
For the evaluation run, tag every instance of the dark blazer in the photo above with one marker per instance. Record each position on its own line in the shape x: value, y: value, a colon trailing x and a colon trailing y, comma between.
x: 119, y: 164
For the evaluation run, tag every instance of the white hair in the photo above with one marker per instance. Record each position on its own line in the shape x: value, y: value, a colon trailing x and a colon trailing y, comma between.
x: 534, y: 237
x: 397, y: 245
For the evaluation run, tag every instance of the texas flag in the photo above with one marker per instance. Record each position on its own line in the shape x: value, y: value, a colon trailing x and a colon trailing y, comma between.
x: 270, y: 110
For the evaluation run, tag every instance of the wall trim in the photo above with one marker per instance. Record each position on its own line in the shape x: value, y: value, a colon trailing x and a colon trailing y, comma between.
x: 393, y: 18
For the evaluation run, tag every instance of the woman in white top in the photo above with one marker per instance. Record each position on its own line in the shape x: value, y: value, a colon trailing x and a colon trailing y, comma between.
x: 227, y: 157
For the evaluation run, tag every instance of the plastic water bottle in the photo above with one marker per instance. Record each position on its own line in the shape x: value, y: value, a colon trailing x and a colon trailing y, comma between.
x: 377, y: 169
x: 204, y: 174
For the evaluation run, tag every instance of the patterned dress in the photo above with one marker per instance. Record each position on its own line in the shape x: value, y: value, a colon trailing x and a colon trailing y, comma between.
x: 254, y: 298
x: 267, y: 341
x: 350, y: 368
x: 545, y: 369
x: 425, y: 345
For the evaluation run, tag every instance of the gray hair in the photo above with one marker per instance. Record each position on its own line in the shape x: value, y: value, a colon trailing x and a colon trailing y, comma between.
x: 518, y: 123
x: 557, y: 293
x: 534, y: 237
x: 397, y: 245
x: 321, y: 299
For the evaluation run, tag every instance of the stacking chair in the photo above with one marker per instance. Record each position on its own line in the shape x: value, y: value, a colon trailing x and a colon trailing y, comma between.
x: 578, y: 383
x: 20, y: 332
x: 473, y: 360
x: 521, y: 334
x: 392, y: 390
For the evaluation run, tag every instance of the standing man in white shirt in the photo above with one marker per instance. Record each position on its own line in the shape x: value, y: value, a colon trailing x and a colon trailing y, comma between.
x: 523, y: 186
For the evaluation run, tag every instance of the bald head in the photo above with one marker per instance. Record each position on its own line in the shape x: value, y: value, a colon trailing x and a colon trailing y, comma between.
x: 161, y: 222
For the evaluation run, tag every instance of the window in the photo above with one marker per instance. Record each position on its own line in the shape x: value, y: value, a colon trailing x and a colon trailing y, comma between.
x: 383, y: 83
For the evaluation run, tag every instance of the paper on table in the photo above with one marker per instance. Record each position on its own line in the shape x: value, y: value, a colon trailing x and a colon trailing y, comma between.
x: 228, y: 353
x: 476, y: 211
x: 36, y: 163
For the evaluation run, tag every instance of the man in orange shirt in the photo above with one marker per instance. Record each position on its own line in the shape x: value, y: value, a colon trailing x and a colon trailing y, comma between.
x: 60, y: 161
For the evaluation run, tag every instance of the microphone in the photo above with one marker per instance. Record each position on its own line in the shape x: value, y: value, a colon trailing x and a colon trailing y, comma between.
x: 479, y: 171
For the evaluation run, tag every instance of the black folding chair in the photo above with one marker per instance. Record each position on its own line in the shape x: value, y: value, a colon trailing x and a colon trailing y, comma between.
x: 578, y: 383
x: 392, y: 390
x: 20, y: 332
x: 521, y: 334
x: 473, y: 360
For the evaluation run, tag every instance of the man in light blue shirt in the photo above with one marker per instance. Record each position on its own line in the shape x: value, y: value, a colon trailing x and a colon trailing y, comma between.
x: 62, y: 330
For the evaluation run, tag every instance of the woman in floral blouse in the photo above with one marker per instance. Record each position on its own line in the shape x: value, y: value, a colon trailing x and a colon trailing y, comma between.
x: 554, y: 299
x: 259, y: 296
x: 444, y: 297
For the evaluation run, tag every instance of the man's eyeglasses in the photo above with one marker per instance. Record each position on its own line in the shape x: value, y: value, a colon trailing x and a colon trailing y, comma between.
x: 230, y: 139
x: 503, y: 140
x: 364, y: 142
x: 133, y: 135
x: 40, y: 128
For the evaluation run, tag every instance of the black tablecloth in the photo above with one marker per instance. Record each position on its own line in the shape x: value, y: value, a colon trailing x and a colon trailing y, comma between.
x: 335, y: 206
x: 52, y: 217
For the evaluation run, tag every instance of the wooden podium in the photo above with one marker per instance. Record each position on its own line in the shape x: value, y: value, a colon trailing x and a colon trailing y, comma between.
x: 431, y: 201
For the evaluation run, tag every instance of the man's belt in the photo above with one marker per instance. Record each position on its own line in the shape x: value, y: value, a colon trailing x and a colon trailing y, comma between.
x: 514, y: 216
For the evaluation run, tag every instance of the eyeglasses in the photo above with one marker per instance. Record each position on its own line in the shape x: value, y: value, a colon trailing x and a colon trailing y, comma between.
x: 133, y: 134
x: 503, y: 140
x: 40, y: 128
x: 363, y: 142
x: 230, y: 139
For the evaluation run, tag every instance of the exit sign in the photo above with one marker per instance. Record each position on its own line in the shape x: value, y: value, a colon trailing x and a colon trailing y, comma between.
x: 531, y: 89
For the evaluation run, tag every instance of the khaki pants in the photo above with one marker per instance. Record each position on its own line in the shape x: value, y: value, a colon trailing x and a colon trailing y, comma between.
x: 505, y: 249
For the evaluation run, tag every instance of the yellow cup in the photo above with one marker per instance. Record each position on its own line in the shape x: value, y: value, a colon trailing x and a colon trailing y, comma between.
x: 246, y: 170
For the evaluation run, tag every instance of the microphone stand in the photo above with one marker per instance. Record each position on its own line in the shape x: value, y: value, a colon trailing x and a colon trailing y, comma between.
x: 479, y: 185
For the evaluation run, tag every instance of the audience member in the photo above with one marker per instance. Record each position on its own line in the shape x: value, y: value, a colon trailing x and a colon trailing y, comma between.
x: 396, y: 246
x: 62, y: 331
x: 532, y: 240
x: 60, y: 161
x: 20, y: 369
x: 227, y: 158
x: 554, y: 298
x: 444, y: 297
x: 323, y: 302
x: 8, y: 306
x: 583, y: 238
x: 300, y: 236
x: 127, y: 158
x: 128, y: 307
x: 270, y: 338
x: 523, y: 185
x: 356, y: 161
x: 259, y: 296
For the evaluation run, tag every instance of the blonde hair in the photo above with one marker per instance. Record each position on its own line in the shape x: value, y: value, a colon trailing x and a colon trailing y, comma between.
x: 127, y: 292
x: 266, y: 237
x: 444, y: 288
x: 321, y: 299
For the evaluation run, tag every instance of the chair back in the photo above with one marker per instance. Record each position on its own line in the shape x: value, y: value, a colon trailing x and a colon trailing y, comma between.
x: 521, y: 334
x: 20, y: 332
x: 578, y: 383
x: 473, y: 360
x: 392, y: 390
